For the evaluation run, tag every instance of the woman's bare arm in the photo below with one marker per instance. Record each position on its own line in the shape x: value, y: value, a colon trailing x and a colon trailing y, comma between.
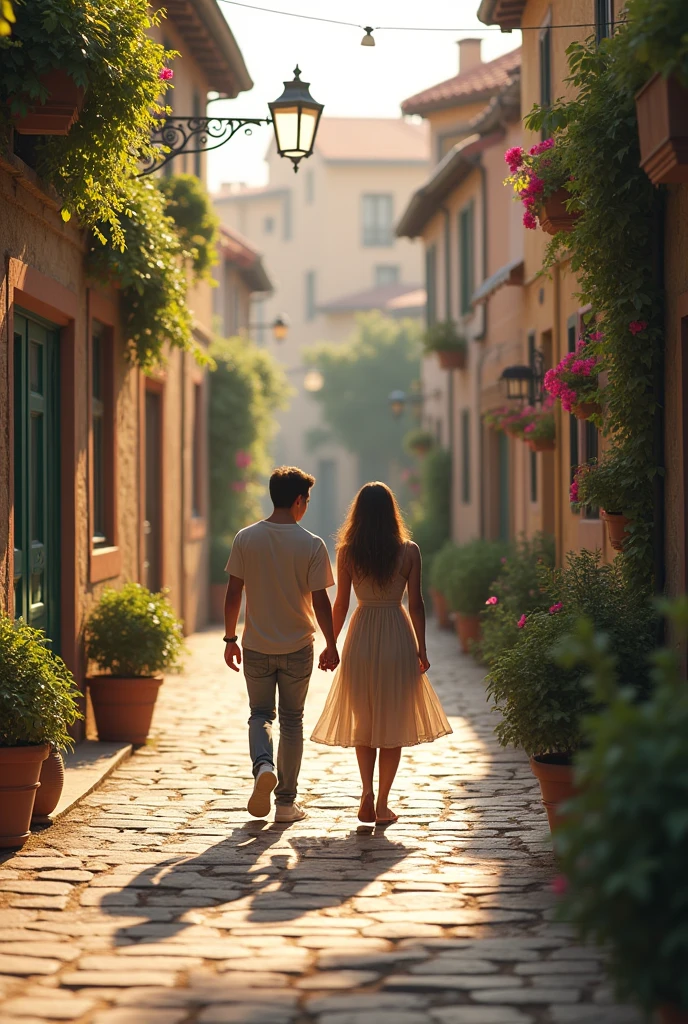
x: 341, y: 604
x: 417, y: 605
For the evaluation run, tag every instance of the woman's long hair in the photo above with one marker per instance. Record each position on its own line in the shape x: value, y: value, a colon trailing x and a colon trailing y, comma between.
x: 372, y: 534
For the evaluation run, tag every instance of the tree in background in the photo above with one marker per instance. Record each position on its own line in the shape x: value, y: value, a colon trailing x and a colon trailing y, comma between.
x: 431, y: 514
x: 246, y: 389
x: 381, y: 356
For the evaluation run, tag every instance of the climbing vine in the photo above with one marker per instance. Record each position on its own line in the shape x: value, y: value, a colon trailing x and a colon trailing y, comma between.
x: 189, y: 206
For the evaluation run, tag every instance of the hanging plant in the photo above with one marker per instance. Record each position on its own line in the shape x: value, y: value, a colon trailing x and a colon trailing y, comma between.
x: 540, y: 432
x: 574, y: 381
x: 536, y: 177
x: 189, y: 206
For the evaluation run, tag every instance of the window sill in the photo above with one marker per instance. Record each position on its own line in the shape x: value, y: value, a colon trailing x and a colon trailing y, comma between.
x: 196, y: 528
x: 106, y: 563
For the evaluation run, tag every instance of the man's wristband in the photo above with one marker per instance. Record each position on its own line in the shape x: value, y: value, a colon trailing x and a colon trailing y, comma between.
x: 230, y: 639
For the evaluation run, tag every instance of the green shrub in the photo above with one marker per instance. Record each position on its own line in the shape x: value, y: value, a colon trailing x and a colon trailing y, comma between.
x: 430, y: 523
x: 518, y: 591
x: 419, y: 441
x: 189, y: 206
x: 624, y: 845
x: 473, y: 568
x: 542, y: 704
x: 443, y: 336
x: 37, y: 690
x: 219, y: 554
x: 133, y: 632
x: 441, y: 566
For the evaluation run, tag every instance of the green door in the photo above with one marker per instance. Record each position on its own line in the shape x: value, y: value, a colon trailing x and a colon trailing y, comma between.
x: 36, y: 475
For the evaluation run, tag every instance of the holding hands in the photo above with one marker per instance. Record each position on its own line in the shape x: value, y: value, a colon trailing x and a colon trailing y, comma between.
x: 329, y: 659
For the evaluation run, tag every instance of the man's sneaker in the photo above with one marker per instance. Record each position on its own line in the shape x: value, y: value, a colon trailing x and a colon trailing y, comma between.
x: 259, y: 802
x: 290, y: 812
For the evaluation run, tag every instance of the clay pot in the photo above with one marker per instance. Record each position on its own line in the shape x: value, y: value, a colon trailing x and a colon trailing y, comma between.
x: 59, y: 112
x: 452, y: 359
x: 467, y: 630
x: 556, y: 785
x: 672, y: 1015
x: 616, y: 528
x: 440, y: 609
x: 52, y: 784
x: 584, y: 410
x: 554, y: 216
x: 123, y: 707
x: 662, y: 110
x: 541, y: 444
x: 20, y: 769
x: 217, y: 602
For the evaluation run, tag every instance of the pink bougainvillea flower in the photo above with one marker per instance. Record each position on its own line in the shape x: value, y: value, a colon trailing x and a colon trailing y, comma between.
x: 514, y: 158
x: 573, y: 492
x: 556, y: 608
x: 529, y: 220
x: 636, y: 326
x: 560, y: 885
x: 238, y: 486
x: 541, y: 147
x: 503, y: 560
x: 166, y: 74
x: 597, y: 336
x: 243, y: 459
x: 521, y: 622
x: 492, y: 600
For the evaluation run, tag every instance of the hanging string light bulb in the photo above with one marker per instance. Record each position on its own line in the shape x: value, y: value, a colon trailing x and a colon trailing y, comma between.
x: 368, y: 37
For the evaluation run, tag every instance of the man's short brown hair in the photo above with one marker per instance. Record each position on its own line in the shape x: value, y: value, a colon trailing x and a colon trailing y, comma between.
x: 287, y: 483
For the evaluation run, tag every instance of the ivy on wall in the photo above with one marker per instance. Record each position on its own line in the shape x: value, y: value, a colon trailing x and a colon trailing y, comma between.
x: 197, y: 224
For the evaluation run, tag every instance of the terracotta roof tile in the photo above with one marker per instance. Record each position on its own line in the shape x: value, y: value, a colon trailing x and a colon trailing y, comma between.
x: 482, y: 80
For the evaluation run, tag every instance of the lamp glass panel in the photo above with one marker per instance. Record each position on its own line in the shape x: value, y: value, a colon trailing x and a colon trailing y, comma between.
x: 309, y: 119
x: 287, y: 129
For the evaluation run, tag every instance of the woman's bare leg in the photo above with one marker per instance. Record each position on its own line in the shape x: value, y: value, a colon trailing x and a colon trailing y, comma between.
x: 389, y: 762
x: 366, y: 766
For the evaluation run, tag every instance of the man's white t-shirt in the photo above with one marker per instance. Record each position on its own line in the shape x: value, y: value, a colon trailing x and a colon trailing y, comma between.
x: 281, y: 565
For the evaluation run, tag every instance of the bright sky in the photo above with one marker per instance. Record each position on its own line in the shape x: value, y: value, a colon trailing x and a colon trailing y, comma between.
x: 350, y: 79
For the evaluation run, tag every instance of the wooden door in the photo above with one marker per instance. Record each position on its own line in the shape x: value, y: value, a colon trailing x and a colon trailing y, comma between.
x: 36, y: 475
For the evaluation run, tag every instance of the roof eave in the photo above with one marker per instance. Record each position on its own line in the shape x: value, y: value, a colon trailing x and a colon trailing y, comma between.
x: 431, y: 107
x: 256, y: 277
x: 507, y: 14
x: 220, y: 42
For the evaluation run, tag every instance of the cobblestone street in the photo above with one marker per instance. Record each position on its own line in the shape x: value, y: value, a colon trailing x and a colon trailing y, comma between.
x: 157, y: 901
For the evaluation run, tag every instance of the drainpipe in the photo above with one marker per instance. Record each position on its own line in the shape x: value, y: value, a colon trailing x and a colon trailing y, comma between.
x: 450, y: 373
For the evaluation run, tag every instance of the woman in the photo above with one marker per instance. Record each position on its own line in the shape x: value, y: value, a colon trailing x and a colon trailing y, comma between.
x: 380, y: 696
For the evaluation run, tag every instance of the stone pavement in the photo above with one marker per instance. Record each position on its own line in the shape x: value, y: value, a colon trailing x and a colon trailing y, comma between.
x: 157, y: 901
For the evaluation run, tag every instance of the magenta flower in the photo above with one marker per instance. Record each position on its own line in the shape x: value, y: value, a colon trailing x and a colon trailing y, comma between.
x: 514, y: 158
x: 541, y: 147
x: 243, y: 460
x: 597, y: 336
x: 556, y: 608
x: 166, y: 74
x: 492, y: 600
x: 573, y: 492
x: 560, y: 885
x: 503, y: 560
x: 636, y: 326
x: 529, y: 220
x: 521, y: 622
x: 238, y: 486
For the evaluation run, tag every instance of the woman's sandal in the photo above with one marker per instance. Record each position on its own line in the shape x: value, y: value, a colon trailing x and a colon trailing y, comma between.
x: 370, y: 818
x: 382, y: 822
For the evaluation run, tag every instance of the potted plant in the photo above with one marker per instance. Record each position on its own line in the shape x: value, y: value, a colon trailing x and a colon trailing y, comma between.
x: 58, y: 107
x: 538, y: 179
x: 38, y: 701
x: 451, y: 347
x: 542, y: 704
x: 540, y: 433
x: 471, y: 570
x: 624, y: 847
x: 440, y: 570
x: 419, y: 442
x: 574, y: 381
x: 596, y: 485
x: 132, y: 635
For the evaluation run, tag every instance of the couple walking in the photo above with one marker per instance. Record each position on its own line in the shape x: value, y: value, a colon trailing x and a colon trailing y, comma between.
x: 380, y: 698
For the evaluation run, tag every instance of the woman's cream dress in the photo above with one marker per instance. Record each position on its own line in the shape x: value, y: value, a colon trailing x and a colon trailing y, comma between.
x: 379, y: 696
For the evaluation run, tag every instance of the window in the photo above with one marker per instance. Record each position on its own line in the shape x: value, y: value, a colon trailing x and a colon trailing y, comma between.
x: 102, y: 434
x: 466, y: 456
x: 197, y: 156
x: 310, y: 295
x: 286, y: 217
x: 604, y: 19
x: 197, y: 453
x: 269, y: 225
x: 309, y: 188
x: 545, y: 49
x: 574, y: 455
x: 378, y: 218
x: 466, y: 258
x: 386, y: 274
x: 431, y: 284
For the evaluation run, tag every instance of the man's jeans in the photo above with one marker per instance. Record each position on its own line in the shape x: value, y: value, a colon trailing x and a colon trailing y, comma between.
x: 290, y: 674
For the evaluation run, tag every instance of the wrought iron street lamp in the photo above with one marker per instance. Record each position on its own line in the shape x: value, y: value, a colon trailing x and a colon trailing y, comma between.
x: 524, y: 382
x: 295, y: 118
x: 397, y: 403
x: 279, y: 327
x: 398, y: 400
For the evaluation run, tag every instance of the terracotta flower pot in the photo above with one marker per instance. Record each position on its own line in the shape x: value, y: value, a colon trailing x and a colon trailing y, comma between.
x: 616, y: 527
x: 554, y: 216
x: 20, y: 769
x: 556, y: 786
x: 672, y: 1015
x: 452, y: 358
x: 52, y: 784
x: 662, y: 110
x: 542, y: 444
x: 467, y: 630
x: 217, y: 602
x: 584, y: 410
x: 123, y: 707
x: 440, y: 609
x: 59, y: 112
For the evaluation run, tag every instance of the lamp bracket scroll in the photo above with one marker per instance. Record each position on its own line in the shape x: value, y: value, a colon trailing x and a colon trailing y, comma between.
x: 177, y: 135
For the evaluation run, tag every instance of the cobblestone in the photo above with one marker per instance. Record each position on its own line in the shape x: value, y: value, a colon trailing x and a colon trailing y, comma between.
x: 157, y: 901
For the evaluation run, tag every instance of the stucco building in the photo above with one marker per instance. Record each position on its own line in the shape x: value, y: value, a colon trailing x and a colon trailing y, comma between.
x: 102, y: 469
x: 327, y: 236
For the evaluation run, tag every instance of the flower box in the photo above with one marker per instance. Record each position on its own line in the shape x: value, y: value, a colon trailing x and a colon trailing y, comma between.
x: 60, y: 110
x: 554, y: 216
x: 541, y: 444
x: 452, y: 359
x: 662, y: 110
x: 584, y: 410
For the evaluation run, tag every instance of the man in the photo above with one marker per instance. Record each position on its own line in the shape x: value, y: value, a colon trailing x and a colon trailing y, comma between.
x: 286, y: 572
